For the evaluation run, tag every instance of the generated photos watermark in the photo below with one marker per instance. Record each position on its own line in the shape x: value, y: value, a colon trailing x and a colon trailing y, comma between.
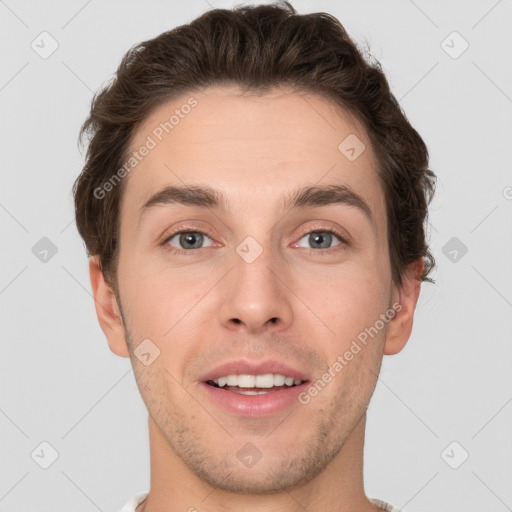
x: 342, y: 360
x: 152, y: 140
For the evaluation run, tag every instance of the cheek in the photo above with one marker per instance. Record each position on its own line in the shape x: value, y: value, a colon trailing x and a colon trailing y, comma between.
x: 144, y: 301
x: 347, y: 301
x: 356, y: 333
x: 166, y: 307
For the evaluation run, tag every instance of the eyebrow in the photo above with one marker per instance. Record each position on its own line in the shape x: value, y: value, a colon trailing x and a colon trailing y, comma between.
x: 310, y: 196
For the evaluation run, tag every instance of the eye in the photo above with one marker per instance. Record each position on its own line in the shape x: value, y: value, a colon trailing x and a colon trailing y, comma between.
x: 322, y: 239
x: 188, y: 240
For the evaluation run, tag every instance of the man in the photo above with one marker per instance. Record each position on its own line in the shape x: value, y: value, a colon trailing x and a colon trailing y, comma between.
x: 253, y: 204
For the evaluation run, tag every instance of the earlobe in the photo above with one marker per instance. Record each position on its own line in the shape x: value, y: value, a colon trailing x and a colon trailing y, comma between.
x: 404, y: 303
x: 107, y: 309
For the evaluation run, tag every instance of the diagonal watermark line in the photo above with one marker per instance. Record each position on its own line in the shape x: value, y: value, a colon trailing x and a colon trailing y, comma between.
x: 302, y: 301
x: 302, y: 96
x: 76, y: 14
x: 78, y: 282
x: 492, y: 81
x: 503, y: 407
x: 209, y: 207
x: 404, y: 403
x: 14, y: 424
x: 493, y: 287
x: 77, y: 76
x: 111, y: 388
x: 491, y: 490
x: 14, y: 76
x: 280, y: 423
x: 208, y: 495
x: 192, y: 307
x: 81, y: 491
x: 12, y: 12
x: 13, y: 279
x: 314, y: 184
x: 83, y: 288
x: 67, y: 226
x: 484, y: 218
x: 485, y: 14
x: 296, y: 501
x: 195, y: 400
x: 424, y: 14
x: 5, y: 495
x: 431, y: 226
x: 14, y: 218
x: 419, y: 81
x: 403, y: 506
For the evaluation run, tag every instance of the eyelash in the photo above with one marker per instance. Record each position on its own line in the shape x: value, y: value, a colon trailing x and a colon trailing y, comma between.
x: 343, y: 243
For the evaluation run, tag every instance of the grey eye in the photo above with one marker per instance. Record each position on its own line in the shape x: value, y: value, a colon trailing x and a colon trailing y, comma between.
x: 320, y: 239
x: 189, y: 239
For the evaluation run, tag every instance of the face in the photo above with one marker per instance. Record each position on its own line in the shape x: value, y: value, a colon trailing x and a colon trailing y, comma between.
x: 256, y: 279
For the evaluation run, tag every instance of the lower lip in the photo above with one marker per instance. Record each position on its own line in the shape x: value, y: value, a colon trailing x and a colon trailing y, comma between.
x: 254, y: 405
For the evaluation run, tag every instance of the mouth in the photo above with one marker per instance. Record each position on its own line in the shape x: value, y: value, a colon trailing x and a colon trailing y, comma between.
x: 251, y: 388
x: 253, y: 396
x: 252, y: 385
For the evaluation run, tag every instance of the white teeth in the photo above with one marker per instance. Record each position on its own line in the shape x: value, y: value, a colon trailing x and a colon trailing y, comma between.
x: 244, y: 381
x: 264, y: 381
x: 279, y: 380
x: 267, y: 380
x: 232, y: 380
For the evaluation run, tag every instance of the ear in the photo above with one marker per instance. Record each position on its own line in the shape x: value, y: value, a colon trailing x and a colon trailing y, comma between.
x: 405, y: 297
x: 107, y: 309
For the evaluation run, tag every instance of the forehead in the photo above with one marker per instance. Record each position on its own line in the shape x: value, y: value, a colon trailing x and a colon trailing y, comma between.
x: 253, y: 147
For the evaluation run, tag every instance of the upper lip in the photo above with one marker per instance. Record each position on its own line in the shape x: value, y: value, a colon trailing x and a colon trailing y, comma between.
x: 246, y: 366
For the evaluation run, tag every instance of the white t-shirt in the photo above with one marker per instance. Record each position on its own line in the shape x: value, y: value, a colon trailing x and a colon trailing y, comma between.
x: 133, y: 503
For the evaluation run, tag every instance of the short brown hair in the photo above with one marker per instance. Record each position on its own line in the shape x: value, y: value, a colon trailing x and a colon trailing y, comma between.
x: 256, y: 48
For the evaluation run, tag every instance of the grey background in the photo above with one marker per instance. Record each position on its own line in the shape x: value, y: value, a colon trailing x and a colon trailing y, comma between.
x: 452, y: 382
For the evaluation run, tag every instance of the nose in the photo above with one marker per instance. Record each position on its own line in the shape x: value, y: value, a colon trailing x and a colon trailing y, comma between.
x: 255, y: 295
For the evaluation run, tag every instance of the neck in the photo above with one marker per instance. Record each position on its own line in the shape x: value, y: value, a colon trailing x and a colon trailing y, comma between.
x: 174, y: 487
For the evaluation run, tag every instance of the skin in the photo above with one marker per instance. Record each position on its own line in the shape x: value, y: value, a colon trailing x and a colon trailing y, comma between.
x: 212, y: 306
